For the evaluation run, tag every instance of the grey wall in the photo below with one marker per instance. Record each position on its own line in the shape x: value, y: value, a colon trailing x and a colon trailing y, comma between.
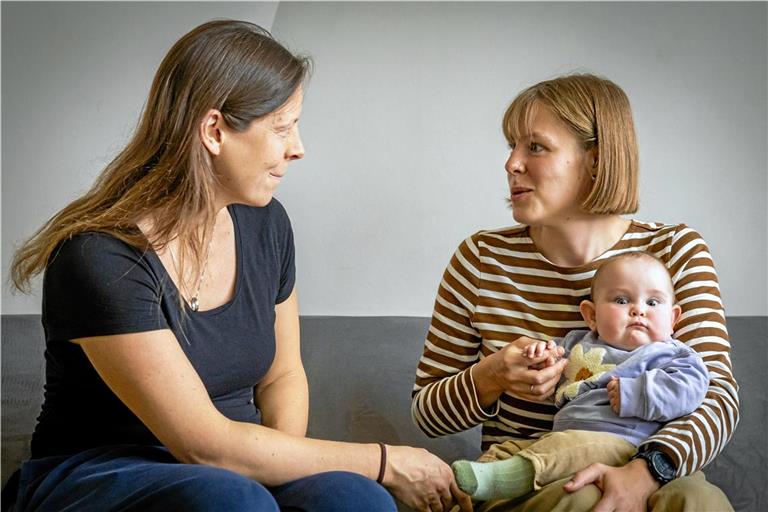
x: 405, y: 154
x: 401, y: 125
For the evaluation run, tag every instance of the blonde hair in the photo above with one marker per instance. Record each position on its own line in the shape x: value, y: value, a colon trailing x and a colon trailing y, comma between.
x: 597, y: 111
x: 164, y: 173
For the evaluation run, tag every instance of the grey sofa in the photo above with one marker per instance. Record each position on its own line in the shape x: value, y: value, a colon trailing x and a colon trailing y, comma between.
x: 360, y: 375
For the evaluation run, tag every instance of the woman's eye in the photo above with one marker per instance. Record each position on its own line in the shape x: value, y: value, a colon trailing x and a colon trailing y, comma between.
x: 283, y: 131
x: 536, y: 147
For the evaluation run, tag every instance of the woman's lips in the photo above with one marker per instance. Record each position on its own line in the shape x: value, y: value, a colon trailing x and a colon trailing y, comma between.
x: 520, y: 193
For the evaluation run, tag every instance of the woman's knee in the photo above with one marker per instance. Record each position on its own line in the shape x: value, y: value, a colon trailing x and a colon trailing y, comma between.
x: 208, y: 489
x: 352, y: 488
x: 689, y: 494
x: 334, y: 491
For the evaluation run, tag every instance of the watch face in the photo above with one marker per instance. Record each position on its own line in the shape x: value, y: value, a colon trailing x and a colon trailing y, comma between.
x: 662, y: 466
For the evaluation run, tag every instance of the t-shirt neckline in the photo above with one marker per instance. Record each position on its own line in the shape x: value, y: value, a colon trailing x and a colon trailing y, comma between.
x: 238, y: 274
x: 588, y: 265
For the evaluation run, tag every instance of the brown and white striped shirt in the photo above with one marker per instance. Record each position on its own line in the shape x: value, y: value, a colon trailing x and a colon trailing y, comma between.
x: 498, y: 287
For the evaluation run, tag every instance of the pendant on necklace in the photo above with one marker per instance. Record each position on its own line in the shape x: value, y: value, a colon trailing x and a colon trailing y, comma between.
x: 194, y: 305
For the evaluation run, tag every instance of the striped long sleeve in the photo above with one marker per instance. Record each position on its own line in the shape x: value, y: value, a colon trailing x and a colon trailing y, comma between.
x: 498, y: 287
x: 450, y: 403
x: 693, y: 441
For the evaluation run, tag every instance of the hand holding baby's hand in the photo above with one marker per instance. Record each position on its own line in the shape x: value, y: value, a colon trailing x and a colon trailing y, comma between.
x: 539, y: 348
x: 614, y: 394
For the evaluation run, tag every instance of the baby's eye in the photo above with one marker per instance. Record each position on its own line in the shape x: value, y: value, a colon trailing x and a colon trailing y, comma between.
x: 653, y: 302
x: 621, y: 300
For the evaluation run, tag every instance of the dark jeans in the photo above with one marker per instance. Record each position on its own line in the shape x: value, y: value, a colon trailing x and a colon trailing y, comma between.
x: 147, y: 478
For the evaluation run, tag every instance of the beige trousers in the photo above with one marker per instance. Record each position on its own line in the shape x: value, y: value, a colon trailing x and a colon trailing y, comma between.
x: 557, y: 455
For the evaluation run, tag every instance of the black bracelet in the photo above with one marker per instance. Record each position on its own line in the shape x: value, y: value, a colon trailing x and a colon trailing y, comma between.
x: 383, y: 465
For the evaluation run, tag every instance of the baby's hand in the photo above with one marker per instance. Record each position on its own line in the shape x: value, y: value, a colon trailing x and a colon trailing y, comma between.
x: 614, y: 394
x: 537, y: 349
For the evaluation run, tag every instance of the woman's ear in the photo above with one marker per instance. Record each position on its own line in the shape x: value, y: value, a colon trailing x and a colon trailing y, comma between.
x: 211, y: 132
x: 594, y: 159
x: 587, y: 308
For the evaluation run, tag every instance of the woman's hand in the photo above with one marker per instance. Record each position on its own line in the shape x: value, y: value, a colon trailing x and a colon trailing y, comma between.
x: 538, y: 348
x: 422, y: 480
x: 625, y: 488
x: 509, y: 370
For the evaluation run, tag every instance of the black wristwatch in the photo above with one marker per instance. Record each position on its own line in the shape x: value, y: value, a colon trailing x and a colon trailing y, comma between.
x: 659, y: 465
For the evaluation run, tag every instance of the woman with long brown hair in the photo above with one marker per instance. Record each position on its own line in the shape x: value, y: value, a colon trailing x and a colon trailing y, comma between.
x: 174, y: 379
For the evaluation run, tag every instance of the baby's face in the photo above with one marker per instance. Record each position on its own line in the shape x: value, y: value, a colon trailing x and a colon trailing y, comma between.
x: 634, y: 304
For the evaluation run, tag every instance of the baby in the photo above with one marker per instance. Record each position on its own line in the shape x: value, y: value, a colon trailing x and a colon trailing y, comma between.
x: 625, y: 378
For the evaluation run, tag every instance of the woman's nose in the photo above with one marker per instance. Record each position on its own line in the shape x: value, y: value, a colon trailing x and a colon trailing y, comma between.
x: 514, y: 164
x: 295, y: 149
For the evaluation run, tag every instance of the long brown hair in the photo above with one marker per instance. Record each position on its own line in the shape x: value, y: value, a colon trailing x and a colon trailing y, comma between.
x: 164, y: 173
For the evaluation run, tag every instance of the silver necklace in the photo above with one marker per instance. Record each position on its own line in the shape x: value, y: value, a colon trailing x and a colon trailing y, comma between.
x: 194, y: 301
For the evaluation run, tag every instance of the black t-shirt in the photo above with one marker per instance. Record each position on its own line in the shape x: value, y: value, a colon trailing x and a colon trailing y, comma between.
x: 96, y: 285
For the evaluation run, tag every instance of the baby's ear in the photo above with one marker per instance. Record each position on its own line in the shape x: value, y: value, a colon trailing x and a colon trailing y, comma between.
x: 676, y: 312
x: 587, y: 308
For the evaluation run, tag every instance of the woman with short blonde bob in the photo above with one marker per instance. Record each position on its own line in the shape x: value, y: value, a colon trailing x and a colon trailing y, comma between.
x: 173, y: 372
x: 572, y: 173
